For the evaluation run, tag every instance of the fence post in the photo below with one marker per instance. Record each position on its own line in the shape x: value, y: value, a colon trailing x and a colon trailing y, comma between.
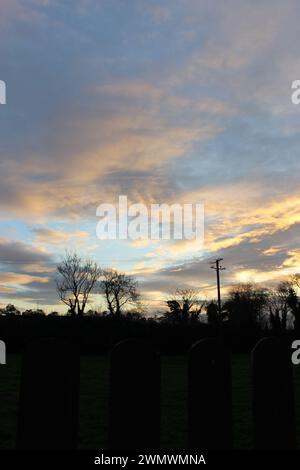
x: 134, y: 396
x: 209, y: 396
x: 49, y: 396
x: 273, y: 396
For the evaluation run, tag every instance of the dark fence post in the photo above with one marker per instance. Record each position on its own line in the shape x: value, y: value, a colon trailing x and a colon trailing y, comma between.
x: 209, y: 396
x: 134, y: 396
x: 273, y: 396
x: 49, y: 396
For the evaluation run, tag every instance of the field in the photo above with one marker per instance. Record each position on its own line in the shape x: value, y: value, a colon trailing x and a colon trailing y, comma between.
x: 94, y: 396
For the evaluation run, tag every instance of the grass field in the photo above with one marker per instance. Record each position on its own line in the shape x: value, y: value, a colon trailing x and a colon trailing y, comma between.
x: 94, y: 397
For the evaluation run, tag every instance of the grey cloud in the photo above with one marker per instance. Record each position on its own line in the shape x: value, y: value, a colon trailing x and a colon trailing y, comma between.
x: 19, y: 253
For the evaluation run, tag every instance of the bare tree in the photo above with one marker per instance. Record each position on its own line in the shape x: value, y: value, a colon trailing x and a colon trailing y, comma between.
x: 278, y: 302
x: 184, y: 305
x: 120, y: 290
x: 76, y: 277
x: 295, y: 280
x: 294, y: 301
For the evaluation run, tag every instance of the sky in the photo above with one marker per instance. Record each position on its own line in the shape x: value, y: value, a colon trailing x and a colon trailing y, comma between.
x: 178, y: 101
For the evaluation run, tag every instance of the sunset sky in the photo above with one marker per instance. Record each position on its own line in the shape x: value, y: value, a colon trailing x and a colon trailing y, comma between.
x: 178, y: 101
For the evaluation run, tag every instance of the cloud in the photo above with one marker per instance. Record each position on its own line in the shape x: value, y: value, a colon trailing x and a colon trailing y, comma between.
x: 14, y: 252
x: 23, y: 266
x: 147, y: 144
x: 180, y: 102
x: 160, y: 14
x: 24, y: 11
x: 20, y: 279
x: 50, y: 236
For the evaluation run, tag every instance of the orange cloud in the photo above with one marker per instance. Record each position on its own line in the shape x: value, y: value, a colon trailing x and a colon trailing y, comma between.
x: 21, y: 279
x: 50, y: 236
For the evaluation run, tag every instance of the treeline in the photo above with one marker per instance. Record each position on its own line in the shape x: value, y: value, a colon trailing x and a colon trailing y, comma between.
x: 97, y: 334
x: 248, y: 313
x: 247, y: 306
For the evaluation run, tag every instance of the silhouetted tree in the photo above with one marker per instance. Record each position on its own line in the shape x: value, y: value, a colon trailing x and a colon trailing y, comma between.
x: 92, y: 313
x: 184, y: 306
x: 246, y: 306
x: 10, y: 310
x: 76, y: 277
x: 212, y: 313
x: 120, y: 291
x: 134, y: 315
x: 279, y: 306
x: 53, y: 314
x: 34, y: 313
x: 294, y: 301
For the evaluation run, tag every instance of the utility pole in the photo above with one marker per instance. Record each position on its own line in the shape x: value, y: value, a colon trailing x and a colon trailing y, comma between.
x: 218, y: 268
